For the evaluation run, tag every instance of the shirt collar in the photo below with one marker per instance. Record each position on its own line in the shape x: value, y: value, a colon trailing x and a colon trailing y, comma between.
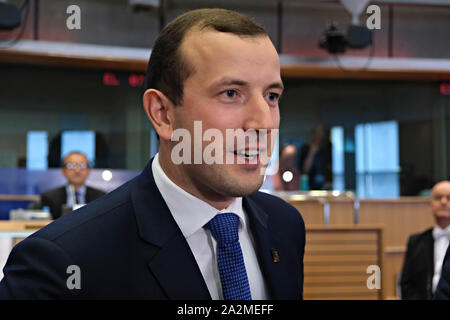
x: 189, y: 212
x: 438, y: 231
x: 81, y: 191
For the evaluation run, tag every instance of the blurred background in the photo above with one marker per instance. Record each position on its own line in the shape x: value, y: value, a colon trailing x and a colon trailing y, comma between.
x: 371, y: 122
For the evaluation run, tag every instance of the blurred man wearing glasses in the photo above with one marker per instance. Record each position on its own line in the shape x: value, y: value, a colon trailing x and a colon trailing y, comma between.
x: 76, y: 170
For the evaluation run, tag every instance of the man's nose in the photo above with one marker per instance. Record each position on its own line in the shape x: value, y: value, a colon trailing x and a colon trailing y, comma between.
x: 77, y: 169
x: 259, y: 115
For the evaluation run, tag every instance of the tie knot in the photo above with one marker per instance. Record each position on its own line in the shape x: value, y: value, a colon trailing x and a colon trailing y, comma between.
x: 224, y: 227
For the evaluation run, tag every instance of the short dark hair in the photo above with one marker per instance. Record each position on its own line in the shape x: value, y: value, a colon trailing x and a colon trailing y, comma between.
x: 168, y: 69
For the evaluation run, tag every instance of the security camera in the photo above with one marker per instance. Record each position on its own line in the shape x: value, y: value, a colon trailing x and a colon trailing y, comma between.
x: 333, y: 40
x: 358, y: 36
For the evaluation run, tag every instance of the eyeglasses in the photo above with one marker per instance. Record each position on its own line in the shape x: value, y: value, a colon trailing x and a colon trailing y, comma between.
x: 76, y: 165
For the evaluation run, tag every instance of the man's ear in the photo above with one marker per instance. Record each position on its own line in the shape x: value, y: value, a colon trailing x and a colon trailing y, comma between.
x: 158, y: 109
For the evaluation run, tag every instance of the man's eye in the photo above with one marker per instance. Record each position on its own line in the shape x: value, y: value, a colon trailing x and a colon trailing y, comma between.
x: 273, y: 96
x: 230, y: 93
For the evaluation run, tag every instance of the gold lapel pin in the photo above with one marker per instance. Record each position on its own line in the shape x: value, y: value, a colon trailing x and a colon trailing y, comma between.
x: 275, y: 256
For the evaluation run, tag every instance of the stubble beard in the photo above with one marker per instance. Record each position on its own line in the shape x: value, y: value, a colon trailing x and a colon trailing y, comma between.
x: 216, y: 182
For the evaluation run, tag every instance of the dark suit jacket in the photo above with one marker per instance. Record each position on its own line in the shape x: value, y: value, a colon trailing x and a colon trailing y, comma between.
x: 57, y: 197
x: 128, y: 246
x: 443, y: 287
x: 418, y: 267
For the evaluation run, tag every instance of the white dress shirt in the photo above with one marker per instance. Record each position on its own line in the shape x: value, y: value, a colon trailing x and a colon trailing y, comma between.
x: 441, y: 240
x: 71, y: 195
x: 191, y: 214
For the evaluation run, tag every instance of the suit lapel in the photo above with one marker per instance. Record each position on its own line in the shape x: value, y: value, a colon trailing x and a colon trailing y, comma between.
x: 63, y: 194
x: 177, y: 271
x: 60, y: 200
x: 173, y: 265
x: 429, y: 243
x: 273, y: 255
x: 88, y: 196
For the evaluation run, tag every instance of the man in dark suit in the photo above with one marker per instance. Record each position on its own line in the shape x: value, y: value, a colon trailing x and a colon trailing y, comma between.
x: 76, y: 170
x: 425, y: 253
x: 181, y: 230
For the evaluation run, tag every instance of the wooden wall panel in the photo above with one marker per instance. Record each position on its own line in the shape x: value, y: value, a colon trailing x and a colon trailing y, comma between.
x: 311, y: 211
x: 400, y: 218
x: 392, y: 268
x: 336, y: 261
x: 341, y: 212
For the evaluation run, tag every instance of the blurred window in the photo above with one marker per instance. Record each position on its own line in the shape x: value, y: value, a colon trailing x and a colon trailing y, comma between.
x: 37, y: 150
x: 377, y: 159
x: 82, y: 141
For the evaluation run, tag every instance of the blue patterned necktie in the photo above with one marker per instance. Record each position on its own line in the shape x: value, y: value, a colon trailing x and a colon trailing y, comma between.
x: 224, y: 227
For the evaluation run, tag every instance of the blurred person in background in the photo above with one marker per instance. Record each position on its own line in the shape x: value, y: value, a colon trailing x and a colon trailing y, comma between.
x: 76, y: 170
x: 315, y: 161
x: 425, y: 252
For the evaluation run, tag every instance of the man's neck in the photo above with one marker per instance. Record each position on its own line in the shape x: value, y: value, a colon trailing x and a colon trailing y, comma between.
x: 178, y: 177
x: 77, y: 187
x: 443, y: 223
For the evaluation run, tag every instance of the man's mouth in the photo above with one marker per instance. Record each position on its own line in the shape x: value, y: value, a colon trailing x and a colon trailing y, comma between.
x: 247, y: 153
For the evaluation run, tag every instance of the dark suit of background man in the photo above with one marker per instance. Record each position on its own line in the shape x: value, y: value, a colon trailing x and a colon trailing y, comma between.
x: 425, y: 253
x: 443, y: 288
x: 76, y: 170
x: 152, y: 238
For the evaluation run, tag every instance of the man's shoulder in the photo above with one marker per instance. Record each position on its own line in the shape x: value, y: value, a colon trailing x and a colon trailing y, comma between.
x: 421, y: 237
x: 54, y: 191
x: 95, y: 191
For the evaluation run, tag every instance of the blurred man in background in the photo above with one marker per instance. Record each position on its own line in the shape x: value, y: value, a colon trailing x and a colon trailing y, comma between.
x: 76, y: 170
x: 425, y: 254
x: 315, y: 159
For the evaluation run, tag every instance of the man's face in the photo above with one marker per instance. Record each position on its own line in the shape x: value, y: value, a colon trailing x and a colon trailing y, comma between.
x: 73, y: 169
x: 440, y: 200
x: 236, y: 84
